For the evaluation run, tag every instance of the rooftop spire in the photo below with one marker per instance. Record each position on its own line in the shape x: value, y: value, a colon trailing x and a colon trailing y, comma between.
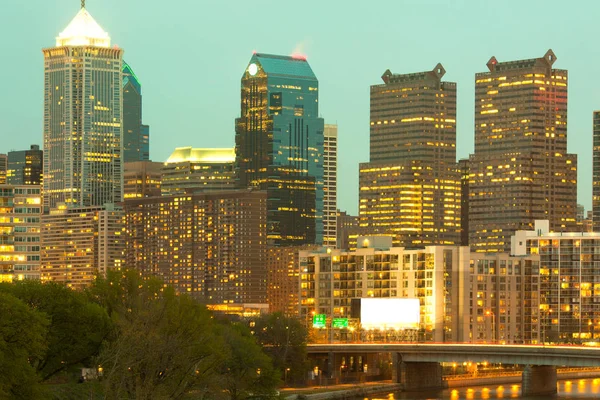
x: 83, y: 30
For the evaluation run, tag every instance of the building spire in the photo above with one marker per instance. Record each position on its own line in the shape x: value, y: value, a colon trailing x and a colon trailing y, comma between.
x: 82, y: 3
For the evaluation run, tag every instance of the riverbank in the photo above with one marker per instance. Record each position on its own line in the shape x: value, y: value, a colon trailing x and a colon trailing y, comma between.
x: 345, y: 391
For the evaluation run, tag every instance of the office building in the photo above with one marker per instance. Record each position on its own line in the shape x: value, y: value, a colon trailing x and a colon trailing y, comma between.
x: 25, y: 166
x: 330, y: 185
x: 521, y: 171
x: 347, y: 227
x: 210, y: 245
x: 377, y: 270
x: 20, y: 212
x: 463, y: 169
x: 595, y: 172
x: 410, y: 189
x: 79, y: 244
x: 190, y: 170
x: 280, y: 146
x: 83, y: 106
x: 3, y: 168
x: 136, y: 135
x: 142, y: 179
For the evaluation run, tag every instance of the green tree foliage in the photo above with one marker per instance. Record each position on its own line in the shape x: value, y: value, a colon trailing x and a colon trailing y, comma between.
x: 247, y: 370
x: 165, y: 345
x: 77, y: 326
x: 22, y: 341
x: 284, y: 339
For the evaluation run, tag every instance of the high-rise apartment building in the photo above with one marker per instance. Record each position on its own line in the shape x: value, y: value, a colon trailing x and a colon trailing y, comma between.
x: 83, y: 107
x: 596, y: 173
x: 210, y: 245
x: 331, y: 280
x: 25, y: 166
x: 521, y: 171
x: 79, y: 244
x: 410, y: 189
x: 136, y: 135
x: 330, y: 136
x: 142, y: 179
x: 279, y: 146
x: 20, y: 212
x: 198, y: 170
x: 568, y: 287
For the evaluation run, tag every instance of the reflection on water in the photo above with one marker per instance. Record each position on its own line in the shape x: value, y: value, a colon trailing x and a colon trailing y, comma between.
x: 567, y: 390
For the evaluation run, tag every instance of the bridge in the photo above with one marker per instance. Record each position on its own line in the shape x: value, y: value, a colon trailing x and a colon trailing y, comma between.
x: 417, y: 366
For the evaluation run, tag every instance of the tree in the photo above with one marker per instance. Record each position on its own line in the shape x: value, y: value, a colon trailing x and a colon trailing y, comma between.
x: 22, y: 340
x: 284, y: 339
x: 247, y: 370
x: 77, y: 326
x: 165, y: 345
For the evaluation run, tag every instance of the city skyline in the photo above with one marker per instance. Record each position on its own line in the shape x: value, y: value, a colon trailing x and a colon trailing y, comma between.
x: 182, y: 113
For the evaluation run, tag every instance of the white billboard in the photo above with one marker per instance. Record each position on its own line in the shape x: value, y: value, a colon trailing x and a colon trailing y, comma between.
x: 386, y: 313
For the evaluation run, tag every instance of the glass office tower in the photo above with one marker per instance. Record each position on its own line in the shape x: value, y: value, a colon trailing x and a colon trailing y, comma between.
x: 136, y: 146
x: 83, y: 107
x: 279, y: 146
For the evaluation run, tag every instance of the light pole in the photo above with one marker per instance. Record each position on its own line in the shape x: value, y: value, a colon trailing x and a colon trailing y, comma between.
x: 490, y: 312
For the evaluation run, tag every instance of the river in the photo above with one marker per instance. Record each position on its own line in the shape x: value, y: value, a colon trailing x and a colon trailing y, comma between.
x: 567, y: 390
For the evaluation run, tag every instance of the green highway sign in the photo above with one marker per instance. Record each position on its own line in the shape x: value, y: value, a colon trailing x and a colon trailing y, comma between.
x: 319, y: 321
x: 339, y: 323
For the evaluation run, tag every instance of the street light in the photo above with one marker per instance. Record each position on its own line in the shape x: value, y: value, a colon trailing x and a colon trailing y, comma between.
x: 489, y: 312
x: 285, y: 376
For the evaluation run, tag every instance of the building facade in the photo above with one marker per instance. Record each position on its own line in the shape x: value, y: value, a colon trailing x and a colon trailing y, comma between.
x: 25, y: 166
x: 410, y: 189
x: 3, y: 168
x: 596, y: 172
x: 330, y: 136
x: 136, y: 135
x: 347, y: 227
x: 521, y: 169
x: 191, y: 170
x: 79, y: 244
x: 211, y: 246
x: 83, y: 108
x: 142, y: 179
x: 569, y: 283
x: 20, y: 213
x: 280, y: 146
x: 436, y: 275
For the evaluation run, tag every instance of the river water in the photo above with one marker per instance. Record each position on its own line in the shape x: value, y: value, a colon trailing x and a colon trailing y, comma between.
x: 567, y: 390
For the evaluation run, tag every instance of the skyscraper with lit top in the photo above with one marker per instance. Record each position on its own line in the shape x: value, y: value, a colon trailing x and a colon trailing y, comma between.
x: 279, y: 146
x: 83, y: 97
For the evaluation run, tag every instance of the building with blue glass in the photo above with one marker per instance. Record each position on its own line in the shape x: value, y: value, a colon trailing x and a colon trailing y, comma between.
x: 136, y: 135
x: 279, y: 146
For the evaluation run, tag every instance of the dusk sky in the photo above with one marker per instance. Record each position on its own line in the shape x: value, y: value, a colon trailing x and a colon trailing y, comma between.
x: 190, y: 56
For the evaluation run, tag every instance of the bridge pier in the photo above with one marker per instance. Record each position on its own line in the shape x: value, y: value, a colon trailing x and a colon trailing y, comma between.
x: 538, y: 380
x: 420, y: 375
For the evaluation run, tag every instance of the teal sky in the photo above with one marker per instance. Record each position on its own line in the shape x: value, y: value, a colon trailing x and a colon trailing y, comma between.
x: 190, y: 55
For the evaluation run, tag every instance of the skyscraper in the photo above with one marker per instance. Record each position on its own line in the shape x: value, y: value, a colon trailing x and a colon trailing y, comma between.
x: 410, y: 189
x: 83, y: 129
x: 279, y: 146
x: 330, y: 186
x: 136, y: 135
x: 142, y: 179
x: 596, y: 174
x: 25, y: 166
x: 3, y: 168
x: 521, y: 171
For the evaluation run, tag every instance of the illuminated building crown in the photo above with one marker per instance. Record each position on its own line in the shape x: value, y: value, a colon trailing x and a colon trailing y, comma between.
x: 83, y: 31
